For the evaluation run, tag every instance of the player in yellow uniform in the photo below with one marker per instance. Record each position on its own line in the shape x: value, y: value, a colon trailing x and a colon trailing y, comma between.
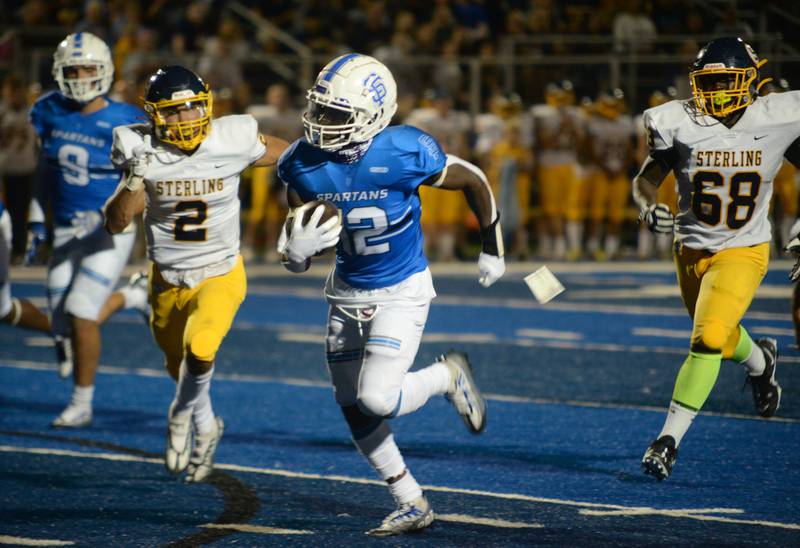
x: 183, y: 172
x: 610, y: 141
x: 725, y: 145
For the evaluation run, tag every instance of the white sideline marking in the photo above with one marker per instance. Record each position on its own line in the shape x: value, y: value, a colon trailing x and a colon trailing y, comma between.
x: 311, y: 383
x: 657, y: 332
x: 548, y: 334
x: 38, y: 341
x: 22, y: 541
x: 491, y: 522
x: 616, y: 509
x: 767, y: 330
x: 259, y: 529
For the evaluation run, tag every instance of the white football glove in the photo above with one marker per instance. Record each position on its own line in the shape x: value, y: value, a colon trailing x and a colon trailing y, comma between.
x: 138, y: 163
x: 86, y: 222
x: 305, y: 241
x: 794, y: 247
x: 658, y: 218
x: 491, y: 268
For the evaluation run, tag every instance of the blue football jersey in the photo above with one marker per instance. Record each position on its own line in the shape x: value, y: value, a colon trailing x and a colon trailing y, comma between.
x: 381, y: 240
x: 77, y: 150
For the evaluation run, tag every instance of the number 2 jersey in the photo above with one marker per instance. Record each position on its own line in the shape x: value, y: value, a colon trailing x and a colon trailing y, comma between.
x: 76, y: 148
x: 724, y: 175
x: 192, y: 212
x: 381, y: 240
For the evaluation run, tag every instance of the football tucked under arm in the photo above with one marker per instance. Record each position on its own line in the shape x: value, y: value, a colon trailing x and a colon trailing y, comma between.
x: 309, y: 230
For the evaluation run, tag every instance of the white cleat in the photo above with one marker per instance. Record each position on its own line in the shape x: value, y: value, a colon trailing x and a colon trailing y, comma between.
x: 463, y: 392
x: 409, y: 517
x: 136, y: 294
x: 63, y: 355
x: 179, y: 444
x: 205, y: 446
x: 74, y: 416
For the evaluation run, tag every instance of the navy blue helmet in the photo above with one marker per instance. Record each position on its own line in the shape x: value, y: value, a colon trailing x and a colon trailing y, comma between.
x: 179, y: 104
x: 724, y: 77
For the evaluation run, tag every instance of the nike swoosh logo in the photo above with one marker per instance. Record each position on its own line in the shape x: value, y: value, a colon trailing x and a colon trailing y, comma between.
x: 217, y: 166
x: 758, y: 137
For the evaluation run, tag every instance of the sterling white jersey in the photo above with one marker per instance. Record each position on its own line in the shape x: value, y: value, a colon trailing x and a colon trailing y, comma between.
x: 611, y: 141
x: 724, y: 175
x: 192, y: 213
x: 557, y: 132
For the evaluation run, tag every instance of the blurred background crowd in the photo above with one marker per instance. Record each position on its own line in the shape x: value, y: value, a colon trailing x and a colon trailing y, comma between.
x: 546, y: 96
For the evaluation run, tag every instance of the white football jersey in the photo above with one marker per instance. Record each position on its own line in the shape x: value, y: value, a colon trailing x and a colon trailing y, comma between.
x: 192, y: 213
x: 611, y: 141
x: 560, y: 128
x: 725, y: 175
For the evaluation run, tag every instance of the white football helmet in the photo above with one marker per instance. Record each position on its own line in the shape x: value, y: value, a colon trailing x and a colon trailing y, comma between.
x: 352, y: 100
x: 86, y: 50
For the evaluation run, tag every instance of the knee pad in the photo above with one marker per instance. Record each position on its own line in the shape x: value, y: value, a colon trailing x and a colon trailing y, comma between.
x: 82, y: 306
x: 361, y: 425
x: 204, y: 345
x: 379, y: 404
x: 714, y: 335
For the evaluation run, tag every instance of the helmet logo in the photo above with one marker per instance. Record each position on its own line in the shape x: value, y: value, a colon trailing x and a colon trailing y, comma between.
x: 751, y: 53
x: 182, y: 94
x: 374, y: 84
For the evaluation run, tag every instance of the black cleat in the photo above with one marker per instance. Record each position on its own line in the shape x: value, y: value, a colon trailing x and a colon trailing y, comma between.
x: 660, y: 457
x: 766, y: 390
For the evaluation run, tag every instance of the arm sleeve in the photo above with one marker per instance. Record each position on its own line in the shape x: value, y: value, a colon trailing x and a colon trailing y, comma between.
x: 424, y: 159
x: 659, y: 141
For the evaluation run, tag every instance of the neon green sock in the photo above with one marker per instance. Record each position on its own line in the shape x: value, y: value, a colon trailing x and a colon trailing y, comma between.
x: 696, y: 379
x: 745, y: 346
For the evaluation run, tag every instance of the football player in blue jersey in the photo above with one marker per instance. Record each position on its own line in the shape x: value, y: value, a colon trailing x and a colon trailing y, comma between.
x: 75, y: 127
x: 380, y: 288
x: 14, y: 311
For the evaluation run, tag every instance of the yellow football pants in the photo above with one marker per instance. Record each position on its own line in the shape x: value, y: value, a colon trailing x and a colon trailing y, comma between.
x: 555, y: 183
x: 608, y: 197
x: 194, y: 320
x: 717, y: 289
x: 785, y: 185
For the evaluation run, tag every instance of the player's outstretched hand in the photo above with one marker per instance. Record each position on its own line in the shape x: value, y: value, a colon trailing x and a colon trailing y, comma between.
x: 37, y: 234
x: 306, y: 240
x: 794, y: 247
x: 658, y: 218
x: 491, y: 268
x: 86, y: 222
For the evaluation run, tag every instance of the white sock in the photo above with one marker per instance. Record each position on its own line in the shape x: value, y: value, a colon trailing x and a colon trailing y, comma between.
x: 203, y: 414
x: 188, y: 391
x: 644, y: 244
x: 574, y: 236
x: 612, y: 245
x: 559, y: 247
x: 82, y: 396
x: 755, y: 362
x: 663, y: 243
x: 593, y: 244
x: 135, y: 297
x: 382, y: 453
x: 419, y: 386
x: 679, y: 419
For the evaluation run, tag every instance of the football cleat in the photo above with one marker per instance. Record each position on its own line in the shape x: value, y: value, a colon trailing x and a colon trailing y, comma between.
x: 463, y: 392
x: 74, y: 416
x: 660, y: 457
x: 136, y: 294
x: 205, y: 446
x: 63, y: 356
x: 179, y: 444
x: 766, y: 390
x: 409, y: 517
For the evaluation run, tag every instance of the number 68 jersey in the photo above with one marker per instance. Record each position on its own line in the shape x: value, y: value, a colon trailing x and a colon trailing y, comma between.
x: 192, y: 212
x: 724, y: 175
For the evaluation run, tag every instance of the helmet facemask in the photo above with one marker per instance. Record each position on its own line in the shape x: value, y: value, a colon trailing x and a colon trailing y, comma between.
x: 83, y: 88
x: 721, y: 91
x: 183, y: 121
x: 332, y: 126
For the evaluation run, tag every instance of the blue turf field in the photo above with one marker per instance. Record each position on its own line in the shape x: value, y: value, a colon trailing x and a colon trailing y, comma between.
x: 577, y: 389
